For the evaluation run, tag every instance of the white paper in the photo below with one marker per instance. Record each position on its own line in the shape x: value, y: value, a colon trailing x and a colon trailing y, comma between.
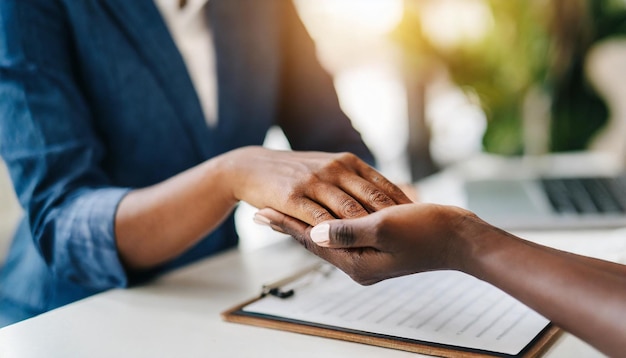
x: 445, y: 307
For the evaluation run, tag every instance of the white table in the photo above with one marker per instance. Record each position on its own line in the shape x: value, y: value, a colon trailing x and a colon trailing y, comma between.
x: 178, y: 315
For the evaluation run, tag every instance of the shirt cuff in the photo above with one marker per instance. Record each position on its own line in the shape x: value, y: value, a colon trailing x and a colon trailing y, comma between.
x: 85, y: 241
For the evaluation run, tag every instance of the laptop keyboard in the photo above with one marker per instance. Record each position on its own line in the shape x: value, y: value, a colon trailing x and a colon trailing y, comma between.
x: 586, y: 195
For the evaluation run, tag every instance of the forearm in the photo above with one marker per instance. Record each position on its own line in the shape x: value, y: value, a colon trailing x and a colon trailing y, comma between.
x: 585, y: 299
x: 584, y: 296
x: 588, y: 261
x: 157, y: 223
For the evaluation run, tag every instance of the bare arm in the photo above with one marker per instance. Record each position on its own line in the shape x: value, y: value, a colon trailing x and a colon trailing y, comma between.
x: 157, y: 223
x: 585, y: 296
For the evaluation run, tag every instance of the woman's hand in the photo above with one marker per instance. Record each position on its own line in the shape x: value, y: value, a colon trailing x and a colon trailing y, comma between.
x: 394, y: 241
x: 159, y: 222
x: 310, y: 186
x: 582, y: 295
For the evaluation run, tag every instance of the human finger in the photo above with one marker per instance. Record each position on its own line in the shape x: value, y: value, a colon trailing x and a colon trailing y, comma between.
x: 337, y: 201
x: 371, y: 189
x: 364, y: 265
x: 308, y: 211
x: 369, y: 195
x: 280, y: 222
x: 346, y: 233
x: 390, y: 189
x: 289, y: 225
x: 410, y: 191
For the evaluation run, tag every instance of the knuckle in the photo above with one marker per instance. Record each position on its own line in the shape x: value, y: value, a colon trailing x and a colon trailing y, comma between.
x: 305, y: 242
x: 320, y: 215
x: 392, y: 188
x: 338, y: 162
x: 344, y: 235
x: 347, y: 157
x: 294, y: 195
x: 334, y: 166
x: 307, y: 180
x: 378, y: 198
x: 350, y: 208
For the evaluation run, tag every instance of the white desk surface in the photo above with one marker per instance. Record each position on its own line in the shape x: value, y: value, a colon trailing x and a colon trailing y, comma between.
x: 178, y: 315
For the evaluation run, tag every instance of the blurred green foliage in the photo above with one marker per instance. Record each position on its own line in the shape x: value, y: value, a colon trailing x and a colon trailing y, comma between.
x: 540, y: 44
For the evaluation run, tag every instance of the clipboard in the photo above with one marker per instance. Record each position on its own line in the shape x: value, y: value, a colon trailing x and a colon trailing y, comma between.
x: 289, y: 288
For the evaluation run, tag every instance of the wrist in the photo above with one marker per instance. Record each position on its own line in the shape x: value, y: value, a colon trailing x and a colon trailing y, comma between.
x: 235, y: 170
x: 225, y: 174
x: 473, y: 241
x: 482, y: 246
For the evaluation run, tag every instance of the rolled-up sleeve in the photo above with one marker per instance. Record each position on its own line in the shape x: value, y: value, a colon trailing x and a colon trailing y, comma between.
x: 85, y: 240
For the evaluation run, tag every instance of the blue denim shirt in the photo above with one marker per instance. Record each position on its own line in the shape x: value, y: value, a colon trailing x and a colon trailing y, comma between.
x: 95, y: 101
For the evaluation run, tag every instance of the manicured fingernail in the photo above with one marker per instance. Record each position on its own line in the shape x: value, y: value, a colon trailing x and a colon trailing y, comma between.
x: 261, y: 220
x: 320, y: 234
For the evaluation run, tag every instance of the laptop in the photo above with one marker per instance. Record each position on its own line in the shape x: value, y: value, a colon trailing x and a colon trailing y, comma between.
x: 569, y: 202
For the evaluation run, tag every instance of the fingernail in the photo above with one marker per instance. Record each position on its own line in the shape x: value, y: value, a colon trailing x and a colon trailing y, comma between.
x: 320, y: 234
x: 261, y: 220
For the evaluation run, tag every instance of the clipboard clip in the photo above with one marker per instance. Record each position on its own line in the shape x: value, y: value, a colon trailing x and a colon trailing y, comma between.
x: 277, y: 292
x: 276, y: 288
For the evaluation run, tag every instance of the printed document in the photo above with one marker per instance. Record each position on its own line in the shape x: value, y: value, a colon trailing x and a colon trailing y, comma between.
x: 444, y: 307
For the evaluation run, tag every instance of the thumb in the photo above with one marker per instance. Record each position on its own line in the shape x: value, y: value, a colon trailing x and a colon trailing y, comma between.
x: 347, y: 233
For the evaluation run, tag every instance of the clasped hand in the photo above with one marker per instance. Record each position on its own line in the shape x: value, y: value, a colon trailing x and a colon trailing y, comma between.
x: 310, y: 186
x: 395, y: 241
x: 344, y: 211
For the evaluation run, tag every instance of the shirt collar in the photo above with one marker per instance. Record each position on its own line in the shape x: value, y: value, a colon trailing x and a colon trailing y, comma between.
x: 175, y: 16
x: 171, y: 6
x: 193, y: 6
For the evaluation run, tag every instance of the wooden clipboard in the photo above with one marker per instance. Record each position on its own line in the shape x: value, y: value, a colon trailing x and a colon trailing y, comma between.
x: 536, y: 348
